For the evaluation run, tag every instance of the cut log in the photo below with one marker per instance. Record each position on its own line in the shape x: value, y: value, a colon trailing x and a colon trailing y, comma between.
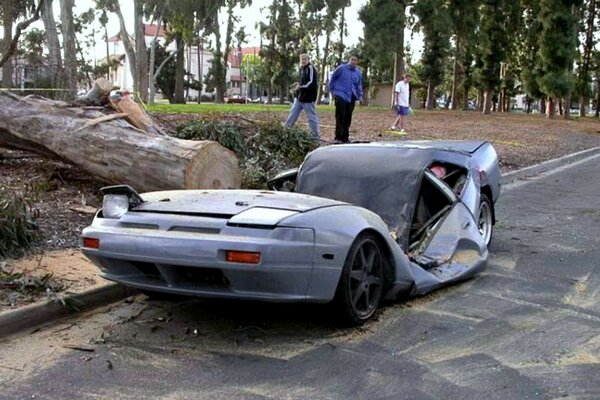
x: 114, y: 151
x: 98, y: 94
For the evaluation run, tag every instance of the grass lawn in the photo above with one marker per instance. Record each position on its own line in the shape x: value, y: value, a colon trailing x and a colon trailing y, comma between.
x: 192, y: 108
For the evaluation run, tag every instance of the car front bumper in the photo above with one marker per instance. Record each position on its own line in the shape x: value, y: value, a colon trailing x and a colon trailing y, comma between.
x: 194, y: 264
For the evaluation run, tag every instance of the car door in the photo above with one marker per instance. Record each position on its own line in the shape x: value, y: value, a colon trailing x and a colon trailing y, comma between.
x: 450, y: 244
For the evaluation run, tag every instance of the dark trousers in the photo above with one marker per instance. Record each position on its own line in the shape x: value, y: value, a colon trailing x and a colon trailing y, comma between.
x: 343, y: 119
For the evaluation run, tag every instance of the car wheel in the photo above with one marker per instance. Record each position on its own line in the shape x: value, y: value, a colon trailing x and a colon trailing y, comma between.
x: 361, y: 284
x: 486, y: 219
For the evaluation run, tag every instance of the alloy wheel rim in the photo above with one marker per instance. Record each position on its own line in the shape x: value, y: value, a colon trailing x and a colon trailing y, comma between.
x: 485, y: 221
x: 365, y: 278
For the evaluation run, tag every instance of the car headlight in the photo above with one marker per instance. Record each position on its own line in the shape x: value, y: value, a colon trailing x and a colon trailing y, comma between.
x: 115, y: 205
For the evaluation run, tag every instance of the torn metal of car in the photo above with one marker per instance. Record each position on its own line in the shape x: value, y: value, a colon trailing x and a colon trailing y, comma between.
x: 367, y: 222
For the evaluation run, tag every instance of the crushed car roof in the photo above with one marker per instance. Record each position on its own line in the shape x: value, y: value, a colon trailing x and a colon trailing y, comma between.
x: 382, y: 177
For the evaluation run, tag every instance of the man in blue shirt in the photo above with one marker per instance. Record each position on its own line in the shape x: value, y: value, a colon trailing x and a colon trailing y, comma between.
x: 346, y: 87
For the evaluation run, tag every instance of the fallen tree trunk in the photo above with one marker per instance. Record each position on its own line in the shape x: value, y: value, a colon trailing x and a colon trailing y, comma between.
x: 114, y: 151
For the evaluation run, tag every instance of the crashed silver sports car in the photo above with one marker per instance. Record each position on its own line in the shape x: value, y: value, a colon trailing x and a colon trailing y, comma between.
x: 365, y: 222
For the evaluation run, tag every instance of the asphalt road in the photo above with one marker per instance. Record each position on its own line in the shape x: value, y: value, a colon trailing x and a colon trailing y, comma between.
x: 526, y: 328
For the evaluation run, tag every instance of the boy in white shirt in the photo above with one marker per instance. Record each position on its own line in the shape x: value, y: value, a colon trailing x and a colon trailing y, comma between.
x: 401, y: 101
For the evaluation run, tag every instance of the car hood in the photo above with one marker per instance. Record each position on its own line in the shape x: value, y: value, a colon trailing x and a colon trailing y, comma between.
x: 226, y: 203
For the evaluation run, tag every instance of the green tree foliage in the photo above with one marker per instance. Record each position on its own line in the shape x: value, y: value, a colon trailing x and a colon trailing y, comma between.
x: 499, y: 21
x: 384, y: 22
x: 435, y: 23
x: 558, y: 44
x: 465, y: 22
x: 263, y: 148
x: 527, y: 49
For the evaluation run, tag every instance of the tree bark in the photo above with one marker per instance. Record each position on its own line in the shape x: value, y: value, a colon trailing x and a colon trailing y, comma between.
x: 151, y: 75
x: 455, y: 77
x: 567, y: 107
x: 487, y: 101
x: 322, y: 73
x: 7, y: 68
x: 141, y: 52
x: 550, y: 108
x: 179, y: 97
x: 430, y: 97
x: 70, y: 52
x: 588, y: 47
x: 114, y: 151
x: 129, y: 50
x: 54, y: 56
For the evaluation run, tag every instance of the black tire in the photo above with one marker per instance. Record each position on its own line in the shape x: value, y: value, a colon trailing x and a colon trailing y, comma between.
x: 485, y: 220
x: 361, y: 284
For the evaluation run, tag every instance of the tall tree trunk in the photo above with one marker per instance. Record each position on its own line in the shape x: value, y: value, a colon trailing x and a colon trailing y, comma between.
x: 54, y: 56
x: 342, y: 33
x: 597, y: 113
x: 129, y: 50
x: 7, y: 22
x: 480, y: 100
x: 107, y: 53
x: 550, y: 108
x: 588, y: 47
x: 179, y: 97
x: 567, y: 106
x: 323, y: 64
x: 456, y: 75
x: 543, y: 105
x: 141, y: 51
x: 70, y: 51
x: 430, y: 97
x: 399, y: 52
x: 465, y: 106
x: 151, y: 74
x: 487, y: 101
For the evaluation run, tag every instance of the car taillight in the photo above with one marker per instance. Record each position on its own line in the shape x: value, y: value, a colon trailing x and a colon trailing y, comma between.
x: 245, y: 257
x: 91, y: 243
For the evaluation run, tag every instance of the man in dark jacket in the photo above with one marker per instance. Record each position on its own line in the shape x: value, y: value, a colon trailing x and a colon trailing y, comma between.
x: 346, y: 87
x: 306, y: 96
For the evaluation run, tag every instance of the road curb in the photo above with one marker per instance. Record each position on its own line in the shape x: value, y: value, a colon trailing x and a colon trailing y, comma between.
x: 33, y: 315
x: 545, y: 166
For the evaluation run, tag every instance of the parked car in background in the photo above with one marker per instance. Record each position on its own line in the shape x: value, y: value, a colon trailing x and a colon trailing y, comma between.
x: 367, y: 222
x: 236, y: 99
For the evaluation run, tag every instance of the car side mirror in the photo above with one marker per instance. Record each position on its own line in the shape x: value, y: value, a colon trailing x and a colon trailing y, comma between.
x: 284, y: 181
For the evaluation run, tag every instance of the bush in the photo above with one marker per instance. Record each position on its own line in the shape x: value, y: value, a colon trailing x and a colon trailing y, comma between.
x: 263, y: 147
x: 17, y: 227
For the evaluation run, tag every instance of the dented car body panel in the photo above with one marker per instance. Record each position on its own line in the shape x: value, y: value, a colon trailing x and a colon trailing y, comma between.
x: 425, y: 224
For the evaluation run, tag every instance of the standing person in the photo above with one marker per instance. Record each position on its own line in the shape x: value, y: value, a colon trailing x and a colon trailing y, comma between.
x: 306, y: 96
x: 345, y: 86
x: 401, y: 101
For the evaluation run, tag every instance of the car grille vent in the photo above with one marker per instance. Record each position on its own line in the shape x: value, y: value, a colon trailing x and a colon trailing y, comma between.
x: 136, y: 225
x: 150, y: 271
x: 199, y: 278
x: 190, y: 229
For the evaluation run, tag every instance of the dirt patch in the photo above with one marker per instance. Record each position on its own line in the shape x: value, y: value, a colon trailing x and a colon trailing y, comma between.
x: 68, y: 270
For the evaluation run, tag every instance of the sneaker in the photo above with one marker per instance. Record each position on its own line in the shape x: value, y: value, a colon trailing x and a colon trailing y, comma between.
x: 393, y: 128
x: 403, y: 132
